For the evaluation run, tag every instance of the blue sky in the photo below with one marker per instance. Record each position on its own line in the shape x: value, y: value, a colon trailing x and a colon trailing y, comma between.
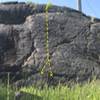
x: 90, y: 7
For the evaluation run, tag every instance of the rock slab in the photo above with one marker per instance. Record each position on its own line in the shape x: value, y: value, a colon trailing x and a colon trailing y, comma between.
x: 74, y: 44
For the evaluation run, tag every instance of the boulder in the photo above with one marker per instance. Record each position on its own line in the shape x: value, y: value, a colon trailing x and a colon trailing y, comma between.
x: 74, y: 44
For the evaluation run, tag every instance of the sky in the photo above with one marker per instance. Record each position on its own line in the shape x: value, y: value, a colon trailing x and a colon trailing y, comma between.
x: 89, y: 7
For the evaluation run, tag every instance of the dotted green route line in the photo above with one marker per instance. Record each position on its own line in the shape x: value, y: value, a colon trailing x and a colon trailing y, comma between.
x: 48, y: 60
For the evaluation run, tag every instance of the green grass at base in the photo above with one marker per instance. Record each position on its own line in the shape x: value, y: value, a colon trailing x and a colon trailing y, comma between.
x: 89, y: 91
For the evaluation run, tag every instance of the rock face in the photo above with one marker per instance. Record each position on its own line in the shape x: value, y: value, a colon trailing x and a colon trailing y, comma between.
x: 74, y: 44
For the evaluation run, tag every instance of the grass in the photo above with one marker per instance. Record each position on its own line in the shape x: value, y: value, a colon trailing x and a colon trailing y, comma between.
x: 88, y: 91
x: 3, y: 93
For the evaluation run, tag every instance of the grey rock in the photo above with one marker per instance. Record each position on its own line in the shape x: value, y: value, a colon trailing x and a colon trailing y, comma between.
x: 74, y: 44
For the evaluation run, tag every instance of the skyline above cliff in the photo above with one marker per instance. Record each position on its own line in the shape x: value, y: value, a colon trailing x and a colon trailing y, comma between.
x: 89, y: 8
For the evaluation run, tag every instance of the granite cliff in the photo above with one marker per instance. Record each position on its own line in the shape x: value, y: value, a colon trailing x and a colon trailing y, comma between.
x: 74, y: 44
